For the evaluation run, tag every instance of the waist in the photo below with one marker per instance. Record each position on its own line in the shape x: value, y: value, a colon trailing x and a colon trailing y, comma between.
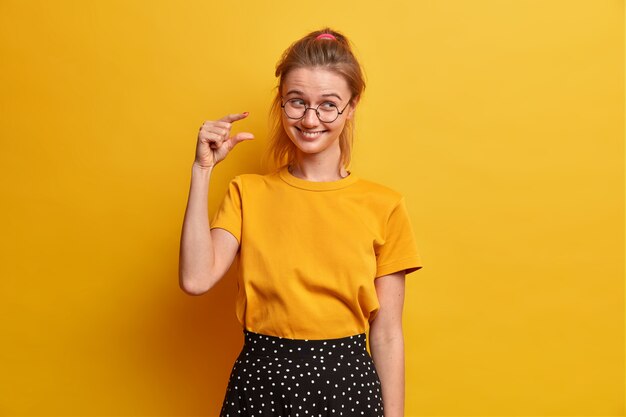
x: 315, y: 349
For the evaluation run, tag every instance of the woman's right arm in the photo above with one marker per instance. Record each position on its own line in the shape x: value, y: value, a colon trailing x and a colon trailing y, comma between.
x: 205, y: 254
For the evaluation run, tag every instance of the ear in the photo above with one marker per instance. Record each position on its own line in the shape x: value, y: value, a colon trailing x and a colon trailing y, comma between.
x: 355, y: 102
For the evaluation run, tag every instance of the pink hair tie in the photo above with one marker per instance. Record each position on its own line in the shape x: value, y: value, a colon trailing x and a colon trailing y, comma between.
x: 326, y: 36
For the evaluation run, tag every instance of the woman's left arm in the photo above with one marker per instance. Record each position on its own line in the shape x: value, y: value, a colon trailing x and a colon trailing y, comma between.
x: 386, y: 342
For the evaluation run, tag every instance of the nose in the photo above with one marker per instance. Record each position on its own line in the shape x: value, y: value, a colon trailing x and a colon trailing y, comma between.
x: 310, y: 118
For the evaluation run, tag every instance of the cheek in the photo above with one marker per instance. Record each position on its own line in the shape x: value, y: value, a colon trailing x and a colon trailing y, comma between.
x: 339, y: 128
x: 287, y: 128
x: 286, y: 122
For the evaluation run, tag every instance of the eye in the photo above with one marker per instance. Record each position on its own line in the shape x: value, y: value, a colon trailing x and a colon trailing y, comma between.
x: 328, y: 105
x: 296, y: 102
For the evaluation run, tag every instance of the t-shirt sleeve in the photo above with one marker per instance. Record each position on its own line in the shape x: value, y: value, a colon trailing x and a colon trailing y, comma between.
x: 229, y: 214
x: 399, y: 250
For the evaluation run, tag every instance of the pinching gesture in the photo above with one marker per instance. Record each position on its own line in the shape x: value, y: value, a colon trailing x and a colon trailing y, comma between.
x: 215, y: 142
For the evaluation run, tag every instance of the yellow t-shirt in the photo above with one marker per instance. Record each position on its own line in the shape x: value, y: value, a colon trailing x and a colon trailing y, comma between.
x: 310, y: 251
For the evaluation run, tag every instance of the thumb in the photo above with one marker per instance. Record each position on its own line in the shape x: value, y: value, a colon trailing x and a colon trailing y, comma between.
x: 240, y: 137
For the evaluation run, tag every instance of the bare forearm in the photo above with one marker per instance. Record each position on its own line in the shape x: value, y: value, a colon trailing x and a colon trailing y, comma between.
x: 388, y: 356
x: 196, y: 246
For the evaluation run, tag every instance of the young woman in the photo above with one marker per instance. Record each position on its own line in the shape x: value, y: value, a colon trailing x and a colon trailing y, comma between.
x: 323, y: 253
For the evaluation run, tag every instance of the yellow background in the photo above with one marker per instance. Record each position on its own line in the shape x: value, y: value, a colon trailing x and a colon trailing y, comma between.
x: 501, y: 122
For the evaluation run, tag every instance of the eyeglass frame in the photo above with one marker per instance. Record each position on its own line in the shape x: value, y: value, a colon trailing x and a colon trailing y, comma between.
x: 317, y: 113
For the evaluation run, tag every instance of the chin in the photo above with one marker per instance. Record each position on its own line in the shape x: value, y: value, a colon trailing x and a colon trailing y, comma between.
x: 309, y: 148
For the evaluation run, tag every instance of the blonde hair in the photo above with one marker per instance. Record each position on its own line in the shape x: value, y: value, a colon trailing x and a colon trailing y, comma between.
x: 309, y: 52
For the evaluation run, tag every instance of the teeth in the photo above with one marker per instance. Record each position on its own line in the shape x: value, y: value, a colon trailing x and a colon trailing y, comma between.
x: 310, y: 134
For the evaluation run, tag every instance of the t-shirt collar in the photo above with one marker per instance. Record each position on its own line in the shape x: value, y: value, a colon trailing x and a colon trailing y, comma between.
x: 294, y: 181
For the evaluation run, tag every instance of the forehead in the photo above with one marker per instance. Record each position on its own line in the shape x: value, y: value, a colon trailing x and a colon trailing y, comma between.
x: 315, y: 81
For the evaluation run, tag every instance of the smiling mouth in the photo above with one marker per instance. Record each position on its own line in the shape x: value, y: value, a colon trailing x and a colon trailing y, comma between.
x: 310, y: 133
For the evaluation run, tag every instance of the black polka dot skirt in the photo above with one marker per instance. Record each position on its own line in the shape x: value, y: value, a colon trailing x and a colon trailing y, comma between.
x: 274, y: 376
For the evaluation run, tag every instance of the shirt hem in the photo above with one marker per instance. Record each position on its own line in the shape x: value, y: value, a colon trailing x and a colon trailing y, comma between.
x: 408, y: 265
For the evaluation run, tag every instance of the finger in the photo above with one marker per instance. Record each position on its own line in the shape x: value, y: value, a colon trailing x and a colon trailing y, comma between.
x: 234, y: 117
x: 239, y: 137
x: 210, y: 124
x: 223, y: 125
x: 212, y: 137
x: 216, y: 130
x: 242, y: 136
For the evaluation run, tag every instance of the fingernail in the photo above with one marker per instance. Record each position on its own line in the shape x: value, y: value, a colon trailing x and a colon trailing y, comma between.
x: 246, y: 113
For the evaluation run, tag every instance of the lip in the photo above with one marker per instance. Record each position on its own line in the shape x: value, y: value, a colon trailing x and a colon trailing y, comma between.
x: 309, y: 137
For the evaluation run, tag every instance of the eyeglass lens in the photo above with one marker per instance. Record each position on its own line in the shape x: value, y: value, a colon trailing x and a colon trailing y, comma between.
x: 296, y: 109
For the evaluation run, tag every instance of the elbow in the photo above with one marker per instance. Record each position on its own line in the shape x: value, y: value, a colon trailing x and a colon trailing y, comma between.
x: 385, y: 333
x: 192, y: 290
x: 386, y: 338
x: 194, y: 286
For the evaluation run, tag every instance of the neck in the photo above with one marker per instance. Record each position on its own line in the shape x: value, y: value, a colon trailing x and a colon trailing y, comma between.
x: 315, y: 168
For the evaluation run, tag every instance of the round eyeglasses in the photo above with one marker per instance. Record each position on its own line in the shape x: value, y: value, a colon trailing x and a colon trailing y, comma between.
x: 327, y: 112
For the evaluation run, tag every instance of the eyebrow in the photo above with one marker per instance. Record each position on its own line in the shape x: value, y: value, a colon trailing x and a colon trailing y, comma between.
x: 323, y: 95
x: 331, y: 95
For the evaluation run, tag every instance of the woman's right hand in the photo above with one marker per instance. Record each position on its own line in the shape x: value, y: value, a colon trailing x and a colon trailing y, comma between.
x: 214, y: 140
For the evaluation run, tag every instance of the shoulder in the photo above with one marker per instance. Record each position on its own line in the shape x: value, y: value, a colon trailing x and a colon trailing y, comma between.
x: 254, y: 181
x: 258, y: 178
x: 380, y: 192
